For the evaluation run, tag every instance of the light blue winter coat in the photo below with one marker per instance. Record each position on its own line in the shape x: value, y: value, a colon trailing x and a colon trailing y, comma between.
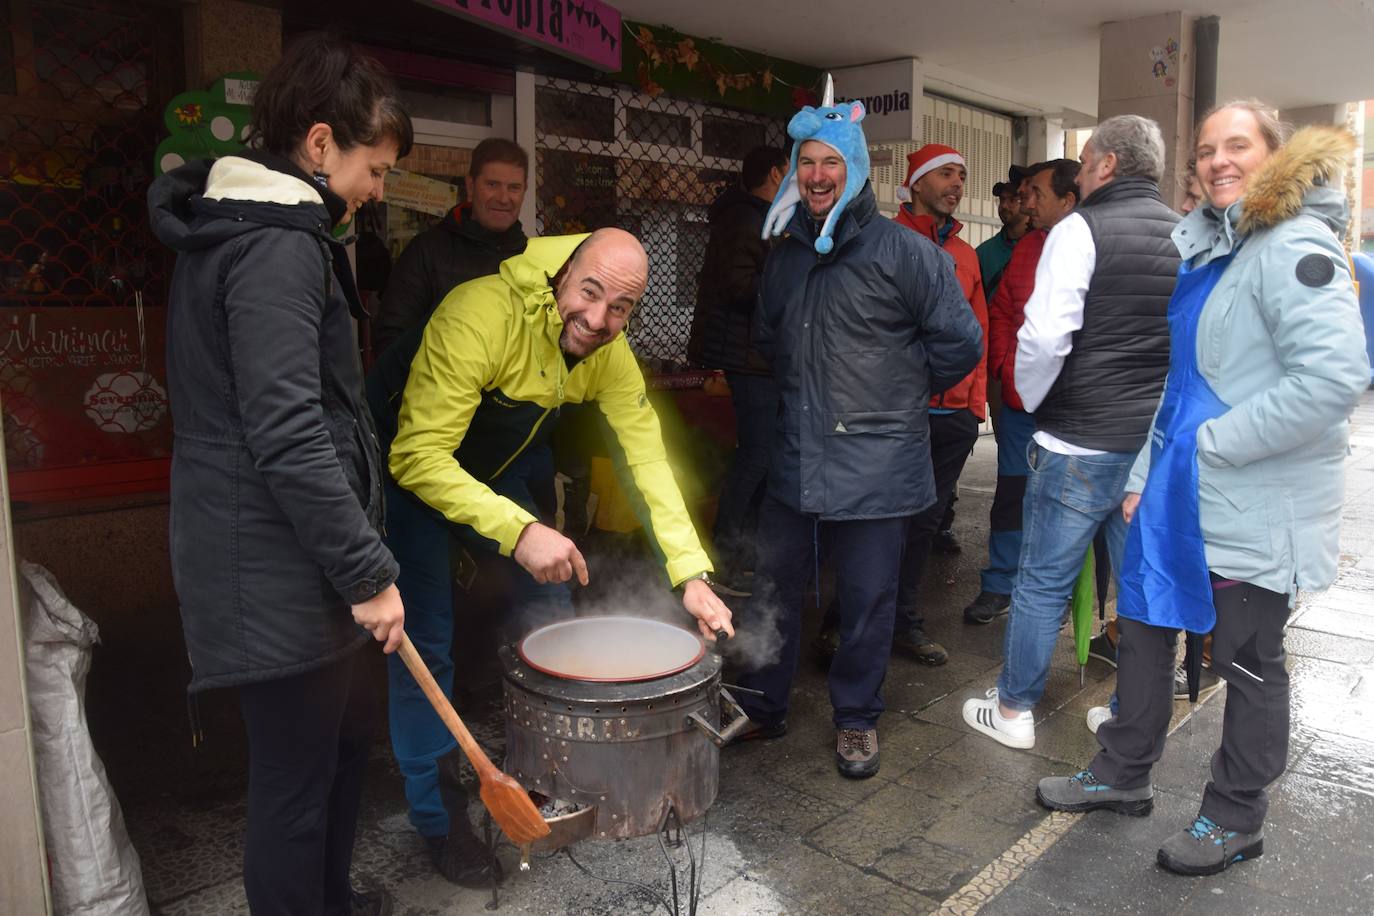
x: 1280, y: 340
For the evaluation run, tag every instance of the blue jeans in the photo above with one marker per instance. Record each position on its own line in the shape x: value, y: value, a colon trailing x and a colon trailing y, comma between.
x: 867, y: 555
x: 419, y: 536
x: 1013, y: 429
x: 755, y: 399
x: 1067, y: 499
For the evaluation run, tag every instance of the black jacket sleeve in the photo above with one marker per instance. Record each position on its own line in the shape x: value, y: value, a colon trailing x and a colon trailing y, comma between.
x: 952, y: 336
x: 408, y: 298
x: 274, y: 320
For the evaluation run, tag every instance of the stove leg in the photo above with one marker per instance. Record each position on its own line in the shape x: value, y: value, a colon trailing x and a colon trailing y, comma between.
x: 490, y: 843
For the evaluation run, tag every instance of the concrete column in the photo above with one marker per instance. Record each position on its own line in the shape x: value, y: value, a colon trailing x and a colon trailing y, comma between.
x: 227, y: 35
x: 1044, y: 139
x: 525, y: 136
x: 1146, y: 69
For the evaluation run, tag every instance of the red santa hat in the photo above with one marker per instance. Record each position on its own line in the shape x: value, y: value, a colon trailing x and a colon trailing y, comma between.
x: 928, y: 158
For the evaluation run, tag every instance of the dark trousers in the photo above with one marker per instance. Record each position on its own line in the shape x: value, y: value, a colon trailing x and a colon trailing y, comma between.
x: 1247, y: 652
x: 866, y: 556
x: 952, y: 437
x: 418, y: 536
x: 308, y: 738
x: 755, y: 399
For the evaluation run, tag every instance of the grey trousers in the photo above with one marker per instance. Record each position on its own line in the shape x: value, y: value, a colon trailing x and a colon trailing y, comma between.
x: 1247, y: 652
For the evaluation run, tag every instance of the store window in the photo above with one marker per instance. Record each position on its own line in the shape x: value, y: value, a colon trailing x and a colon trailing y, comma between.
x: 82, y: 279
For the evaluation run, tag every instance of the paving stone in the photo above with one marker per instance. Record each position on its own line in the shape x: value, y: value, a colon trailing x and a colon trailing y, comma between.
x: 1340, y: 759
x: 979, y: 754
x: 1211, y: 898
x: 892, y: 817
x: 1332, y: 647
x: 824, y: 884
x: 1317, y: 839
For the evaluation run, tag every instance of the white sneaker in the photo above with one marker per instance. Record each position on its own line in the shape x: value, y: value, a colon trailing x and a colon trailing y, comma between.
x: 984, y: 716
x: 1097, y: 715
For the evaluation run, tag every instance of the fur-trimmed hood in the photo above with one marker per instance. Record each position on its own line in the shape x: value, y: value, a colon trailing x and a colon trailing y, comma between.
x: 1308, y: 162
x: 1295, y: 180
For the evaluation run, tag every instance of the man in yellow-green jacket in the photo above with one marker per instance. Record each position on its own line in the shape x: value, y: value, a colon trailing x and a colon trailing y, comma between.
x: 469, y: 420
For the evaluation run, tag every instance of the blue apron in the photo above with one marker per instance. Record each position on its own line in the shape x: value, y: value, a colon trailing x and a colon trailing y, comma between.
x: 1164, y: 579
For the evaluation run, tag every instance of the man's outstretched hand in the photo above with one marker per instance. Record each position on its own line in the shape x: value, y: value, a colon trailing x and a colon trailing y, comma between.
x: 706, y: 606
x: 548, y: 556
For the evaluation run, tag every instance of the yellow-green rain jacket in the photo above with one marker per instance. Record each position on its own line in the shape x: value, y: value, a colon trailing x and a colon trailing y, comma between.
x: 489, y: 373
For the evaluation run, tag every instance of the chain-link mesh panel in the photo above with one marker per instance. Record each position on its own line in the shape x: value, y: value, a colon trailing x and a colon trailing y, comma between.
x: 609, y: 156
x: 78, y: 125
x: 77, y: 135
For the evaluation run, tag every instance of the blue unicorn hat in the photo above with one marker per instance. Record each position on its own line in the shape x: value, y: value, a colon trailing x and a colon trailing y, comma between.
x: 838, y: 127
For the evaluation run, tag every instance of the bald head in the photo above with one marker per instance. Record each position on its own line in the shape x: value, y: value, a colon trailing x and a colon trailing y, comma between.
x: 599, y: 289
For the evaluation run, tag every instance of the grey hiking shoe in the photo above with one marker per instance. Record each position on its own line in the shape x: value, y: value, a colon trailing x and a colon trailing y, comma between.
x: 1207, y: 848
x: 1082, y: 792
x: 856, y: 752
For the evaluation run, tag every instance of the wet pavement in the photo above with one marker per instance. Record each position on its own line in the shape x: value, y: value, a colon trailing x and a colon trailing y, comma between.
x: 949, y: 825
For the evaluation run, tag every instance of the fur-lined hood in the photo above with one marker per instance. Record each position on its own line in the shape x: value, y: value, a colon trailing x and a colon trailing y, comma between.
x: 1308, y: 162
x: 1295, y: 180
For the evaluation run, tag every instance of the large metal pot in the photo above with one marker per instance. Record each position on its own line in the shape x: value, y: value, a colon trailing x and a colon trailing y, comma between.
x: 628, y: 748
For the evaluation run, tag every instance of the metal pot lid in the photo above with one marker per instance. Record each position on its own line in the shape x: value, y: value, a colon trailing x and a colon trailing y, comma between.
x: 611, y: 649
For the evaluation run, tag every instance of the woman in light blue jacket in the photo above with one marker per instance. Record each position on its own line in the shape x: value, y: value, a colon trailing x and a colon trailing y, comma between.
x: 1235, y: 502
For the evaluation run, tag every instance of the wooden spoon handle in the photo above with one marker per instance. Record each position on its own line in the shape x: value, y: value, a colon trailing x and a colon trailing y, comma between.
x: 480, y: 762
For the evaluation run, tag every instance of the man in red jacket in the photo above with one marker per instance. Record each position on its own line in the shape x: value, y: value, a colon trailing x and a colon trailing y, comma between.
x: 934, y: 187
x: 1048, y: 194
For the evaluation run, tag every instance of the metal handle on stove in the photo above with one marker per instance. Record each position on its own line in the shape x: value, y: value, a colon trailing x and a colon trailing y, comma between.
x: 738, y: 723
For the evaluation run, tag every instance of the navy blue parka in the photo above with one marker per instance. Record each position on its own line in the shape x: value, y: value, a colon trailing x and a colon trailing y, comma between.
x: 860, y: 339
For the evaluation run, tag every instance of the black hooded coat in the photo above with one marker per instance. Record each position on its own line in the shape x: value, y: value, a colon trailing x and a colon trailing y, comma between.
x: 276, y: 475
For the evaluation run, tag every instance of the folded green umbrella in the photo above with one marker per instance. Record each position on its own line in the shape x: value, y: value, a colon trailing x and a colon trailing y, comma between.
x: 1081, y: 610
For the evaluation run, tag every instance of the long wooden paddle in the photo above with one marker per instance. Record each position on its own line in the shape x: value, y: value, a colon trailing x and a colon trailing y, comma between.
x: 508, y: 802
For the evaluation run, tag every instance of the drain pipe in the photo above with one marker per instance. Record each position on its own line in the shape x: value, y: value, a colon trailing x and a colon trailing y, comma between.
x: 1206, y: 37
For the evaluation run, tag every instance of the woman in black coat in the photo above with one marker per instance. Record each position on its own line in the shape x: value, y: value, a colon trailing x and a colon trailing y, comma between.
x: 280, y: 569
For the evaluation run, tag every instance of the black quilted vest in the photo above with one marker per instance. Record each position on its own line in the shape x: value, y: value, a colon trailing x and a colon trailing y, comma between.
x: 1107, y: 391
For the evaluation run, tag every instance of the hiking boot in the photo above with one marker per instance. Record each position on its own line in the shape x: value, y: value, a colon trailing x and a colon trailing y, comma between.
x: 372, y: 902
x: 1207, y: 848
x: 1102, y: 648
x: 856, y: 752
x: 985, y: 716
x: 825, y: 646
x: 462, y: 858
x: 986, y: 608
x: 915, y: 644
x: 945, y: 542
x: 760, y: 731
x: 1097, y: 715
x: 1206, y: 685
x: 1082, y: 792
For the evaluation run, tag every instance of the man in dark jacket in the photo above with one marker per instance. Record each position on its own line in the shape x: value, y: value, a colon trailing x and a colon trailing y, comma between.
x: 860, y: 336
x: 722, y: 338
x: 1091, y: 357
x: 470, y: 242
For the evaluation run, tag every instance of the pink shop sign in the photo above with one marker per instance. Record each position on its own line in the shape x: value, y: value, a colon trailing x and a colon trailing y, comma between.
x: 585, y: 30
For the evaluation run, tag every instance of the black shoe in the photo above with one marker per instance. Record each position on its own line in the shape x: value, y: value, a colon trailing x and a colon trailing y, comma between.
x: 463, y: 859
x: 856, y: 752
x: 825, y: 646
x: 760, y: 731
x: 375, y: 902
x: 1103, y: 649
x: 986, y: 608
x: 915, y: 644
x: 945, y: 542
